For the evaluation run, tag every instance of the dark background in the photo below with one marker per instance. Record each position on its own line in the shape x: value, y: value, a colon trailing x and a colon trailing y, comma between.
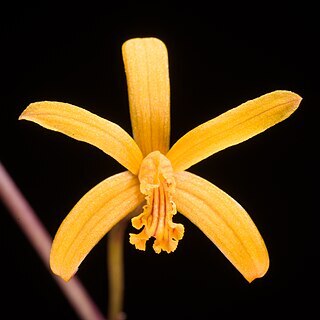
x: 218, y: 58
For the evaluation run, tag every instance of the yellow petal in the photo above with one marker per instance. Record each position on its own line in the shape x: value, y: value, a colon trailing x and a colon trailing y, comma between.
x: 85, y: 126
x: 147, y: 72
x: 91, y: 218
x: 232, y: 127
x: 224, y: 222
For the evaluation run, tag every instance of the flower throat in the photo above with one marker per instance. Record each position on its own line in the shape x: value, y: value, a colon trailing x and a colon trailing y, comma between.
x: 158, y: 185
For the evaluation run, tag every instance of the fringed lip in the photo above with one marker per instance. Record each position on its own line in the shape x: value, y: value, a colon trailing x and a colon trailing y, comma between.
x: 158, y: 185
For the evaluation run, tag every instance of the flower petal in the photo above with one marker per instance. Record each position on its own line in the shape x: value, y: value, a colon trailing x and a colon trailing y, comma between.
x: 85, y: 126
x: 232, y: 127
x: 224, y: 222
x: 147, y: 72
x: 91, y: 218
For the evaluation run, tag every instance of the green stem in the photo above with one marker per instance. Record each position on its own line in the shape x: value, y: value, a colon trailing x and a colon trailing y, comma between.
x: 116, y: 271
x: 115, y: 264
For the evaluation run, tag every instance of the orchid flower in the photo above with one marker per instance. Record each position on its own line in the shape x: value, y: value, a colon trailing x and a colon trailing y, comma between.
x: 156, y: 175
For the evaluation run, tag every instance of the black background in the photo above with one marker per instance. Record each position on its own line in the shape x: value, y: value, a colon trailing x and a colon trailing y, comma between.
x: 218, y: 58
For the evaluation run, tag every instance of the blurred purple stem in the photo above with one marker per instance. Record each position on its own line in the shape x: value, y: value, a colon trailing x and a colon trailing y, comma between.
x: 41, y: 241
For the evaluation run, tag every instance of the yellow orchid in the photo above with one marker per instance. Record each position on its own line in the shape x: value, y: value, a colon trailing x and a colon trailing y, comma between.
x: 156, y: 175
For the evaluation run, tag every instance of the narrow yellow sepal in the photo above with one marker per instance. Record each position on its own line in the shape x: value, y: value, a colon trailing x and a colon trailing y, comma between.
x: 224, y: 222
x: 90, y: 219
x: 147, y: 72
x: 232, y: 127
x: 85, y: 126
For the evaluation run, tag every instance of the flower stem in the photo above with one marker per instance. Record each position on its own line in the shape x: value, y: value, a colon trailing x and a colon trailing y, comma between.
x: 40, y: 239
x: 116, y: 271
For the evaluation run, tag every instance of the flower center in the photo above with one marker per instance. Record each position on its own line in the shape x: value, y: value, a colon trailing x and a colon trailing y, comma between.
x: 158, y: 185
